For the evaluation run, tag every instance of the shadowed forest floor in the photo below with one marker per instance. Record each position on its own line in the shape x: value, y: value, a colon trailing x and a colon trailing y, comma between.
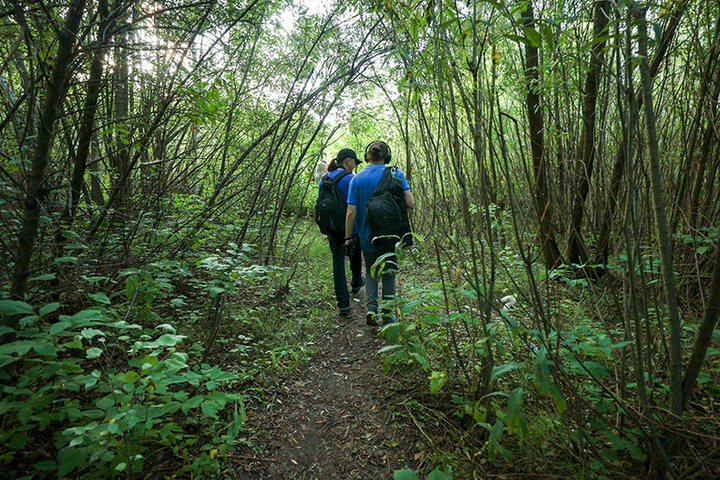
x: 337, y: 418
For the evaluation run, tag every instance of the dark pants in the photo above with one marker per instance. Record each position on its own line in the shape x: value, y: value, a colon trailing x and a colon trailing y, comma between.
x: 341, y: 290
x: 388, y: 284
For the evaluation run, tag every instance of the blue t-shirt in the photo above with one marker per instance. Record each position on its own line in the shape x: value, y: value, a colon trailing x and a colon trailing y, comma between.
x: 343, y: 185
x: 362, y: 186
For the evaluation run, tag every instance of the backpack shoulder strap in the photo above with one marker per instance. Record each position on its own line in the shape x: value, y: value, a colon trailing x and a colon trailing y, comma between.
x: 385, y: 180
x: 337, y: 177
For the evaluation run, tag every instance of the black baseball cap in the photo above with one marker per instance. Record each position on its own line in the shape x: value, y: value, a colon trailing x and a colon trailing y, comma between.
x: 348, y: 153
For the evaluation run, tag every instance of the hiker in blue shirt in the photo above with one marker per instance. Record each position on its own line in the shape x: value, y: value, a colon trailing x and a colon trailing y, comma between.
x: 362, y: 186
x: 346, y: 160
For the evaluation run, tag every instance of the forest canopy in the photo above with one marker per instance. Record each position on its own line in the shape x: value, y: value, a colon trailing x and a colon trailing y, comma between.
x: 156, y: 164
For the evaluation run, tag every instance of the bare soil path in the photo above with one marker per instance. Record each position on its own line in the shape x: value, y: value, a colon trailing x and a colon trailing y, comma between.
x: 338, y: 418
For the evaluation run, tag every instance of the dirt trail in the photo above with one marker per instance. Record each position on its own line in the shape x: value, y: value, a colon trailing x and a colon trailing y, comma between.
x: 335, y: 419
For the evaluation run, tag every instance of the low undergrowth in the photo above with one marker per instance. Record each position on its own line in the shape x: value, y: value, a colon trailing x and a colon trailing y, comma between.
x: 548, y: 391
x: 149, y: 377
x: 149, y: 373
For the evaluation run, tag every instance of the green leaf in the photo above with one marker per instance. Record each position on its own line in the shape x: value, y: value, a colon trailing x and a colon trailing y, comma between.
x: 389, y: 348
x: 86, y: 317
x: 131, y: 286
x: 49, y: 308
x: 93, y: 352
x: 513, y: 416
x: 211, y: 408
x: 29, y: 321
x: 91, y: 332
x: 66, y: 260
x: 405, y: 474
x: 438, y: 474
x: 192, y: 403
x: 46, y: 349
x: 437, y: 380
x: 501, y: 370
x: 496, y: 433
x: 177, y: 302
x: 511, y: 322
x: 14, y: 307
x: 19, y: 347
x: 91, y: 379
x: 169, y: 340
x: 100, y: 297
x: 129, y: 377
x: 59, y: 327
x: 549, y: 35
x: 215, y: 291
x: 18, y: 441
x: 47, y: 276
x: 422, y: 361
x: 47, y: 466
x: 596, y: 369
x: 70, y: 459
x: 519, y: 39
x: 542, y: 372
x: 105, y: 403
x: 558, y: 398
x: 533, y: 37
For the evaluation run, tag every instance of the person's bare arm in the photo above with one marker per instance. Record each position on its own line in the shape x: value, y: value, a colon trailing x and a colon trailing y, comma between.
x: 409, y: 200
x: 350, y: 223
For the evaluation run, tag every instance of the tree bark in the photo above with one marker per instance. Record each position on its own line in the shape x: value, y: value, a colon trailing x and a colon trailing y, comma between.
x: 543, y: 205
x: 664, y: 241
x: 87, y: 124
x: 37, y: 190
x: 705, y: 333
x: 577, y: 251
x: 709, y: 138
x: 120, y: 159
x: 603, y: 248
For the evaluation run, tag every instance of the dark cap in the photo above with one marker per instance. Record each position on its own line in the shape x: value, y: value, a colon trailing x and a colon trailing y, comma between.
x: 348, y: 153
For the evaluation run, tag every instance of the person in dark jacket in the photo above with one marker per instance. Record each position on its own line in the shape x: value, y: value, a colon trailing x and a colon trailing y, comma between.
x: 346, y: 160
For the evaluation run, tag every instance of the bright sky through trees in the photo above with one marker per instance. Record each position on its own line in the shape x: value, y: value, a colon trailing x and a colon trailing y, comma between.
x: 313, y: 7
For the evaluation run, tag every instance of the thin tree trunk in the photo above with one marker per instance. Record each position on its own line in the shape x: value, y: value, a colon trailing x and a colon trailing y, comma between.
x: 543, y: 205
x: 705, y: 333
x: 37, y: 190
x: 576, y: 251
x: 710, y: 137
x: 87, y: 123
x: 603, y: 248
x: 664, y: 241
x: 120, y: 160
x: 705, y: 106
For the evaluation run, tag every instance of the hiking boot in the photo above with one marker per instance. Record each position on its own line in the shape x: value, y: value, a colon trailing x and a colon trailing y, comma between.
x: 355, y: 290
x: 345, y: 313
x: 370, y: 319
x: 388, y: 320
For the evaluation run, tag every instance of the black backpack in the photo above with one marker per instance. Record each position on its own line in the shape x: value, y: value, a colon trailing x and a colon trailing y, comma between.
x: 387, y: 214
x: 330, y: 207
